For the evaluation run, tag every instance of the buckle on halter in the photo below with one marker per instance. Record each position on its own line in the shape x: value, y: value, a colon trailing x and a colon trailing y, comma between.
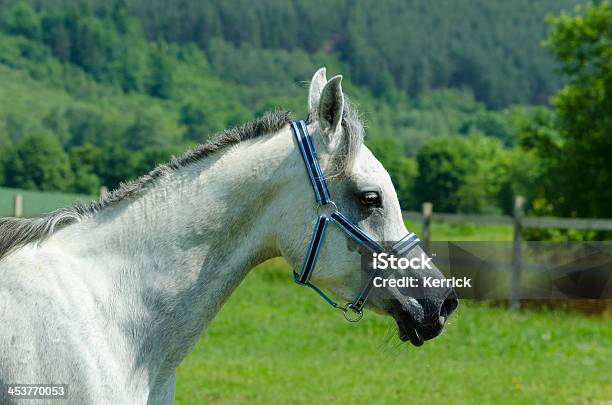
x: 349, y: 309
x: 331, y: 207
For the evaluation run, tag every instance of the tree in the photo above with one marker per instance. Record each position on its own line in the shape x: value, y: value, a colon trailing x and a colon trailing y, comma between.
x: 39, y: 163
x: 3, y: 158
x: 90, y: 125
x: 151, y: 128
x: 482, y: 184
x: 57, y: 36
x: 444, y: 163
x: 152, y: 156
x: 117, y: 165
x: 5, y: 151
x: 402, y: 170
x: 195, y: 120
x: 582, y: 43
x: 21, y: 19
x: 522, y: 174
x: 83, y: 161
x: 460, y: 173
x: 161, y: 73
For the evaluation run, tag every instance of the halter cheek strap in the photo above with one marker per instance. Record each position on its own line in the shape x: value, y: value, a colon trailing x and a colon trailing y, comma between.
x: 353, y: 311
x: 312, y: 163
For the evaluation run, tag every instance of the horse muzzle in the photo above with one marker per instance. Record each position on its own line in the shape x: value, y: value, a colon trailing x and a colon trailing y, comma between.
x: 422, y: 319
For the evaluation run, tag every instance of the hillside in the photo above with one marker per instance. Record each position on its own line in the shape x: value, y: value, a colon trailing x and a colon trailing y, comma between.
x: 92, y: 76
x: 491, y: 47
x: 96, y: 92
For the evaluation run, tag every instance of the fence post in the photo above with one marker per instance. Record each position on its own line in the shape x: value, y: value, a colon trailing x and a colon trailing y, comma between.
x: 18, y: 206
x: 425, y: 233
x: 515, y: 288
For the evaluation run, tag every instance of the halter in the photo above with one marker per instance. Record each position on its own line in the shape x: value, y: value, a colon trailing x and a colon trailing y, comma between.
x: 353, y: 311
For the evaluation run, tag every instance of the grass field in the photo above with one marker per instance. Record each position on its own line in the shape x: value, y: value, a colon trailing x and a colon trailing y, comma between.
x: 465, y: 232
x: 36, y: 203
x: 277, y: 343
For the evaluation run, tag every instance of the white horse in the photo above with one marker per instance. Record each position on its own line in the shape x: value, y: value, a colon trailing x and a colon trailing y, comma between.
x: 109, y: 298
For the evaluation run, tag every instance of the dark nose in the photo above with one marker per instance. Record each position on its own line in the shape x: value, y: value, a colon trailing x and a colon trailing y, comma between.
x: 434, y: 328
x: 449, y: 305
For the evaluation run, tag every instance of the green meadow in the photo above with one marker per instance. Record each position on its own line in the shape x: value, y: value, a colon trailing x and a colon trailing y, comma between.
x: 36, y: 203
x: 464, y: 232
x: 275, y: 342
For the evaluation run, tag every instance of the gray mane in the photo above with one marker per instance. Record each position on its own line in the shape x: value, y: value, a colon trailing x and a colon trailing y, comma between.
x: 16, y: 232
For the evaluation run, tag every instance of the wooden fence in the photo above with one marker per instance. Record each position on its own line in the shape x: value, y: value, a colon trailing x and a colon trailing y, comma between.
x: 518, y: 221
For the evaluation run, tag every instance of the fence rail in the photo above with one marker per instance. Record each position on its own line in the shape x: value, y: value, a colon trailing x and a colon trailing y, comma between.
x: 460, y: 218
x: 568, y: 223
x: 518, y: 222
x: 528, y: 222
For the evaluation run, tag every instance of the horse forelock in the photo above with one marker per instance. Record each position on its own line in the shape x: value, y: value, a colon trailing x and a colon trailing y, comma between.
x: 354, y: 135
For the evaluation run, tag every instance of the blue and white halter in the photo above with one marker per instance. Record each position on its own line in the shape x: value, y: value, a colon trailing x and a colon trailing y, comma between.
x: 353, y: 311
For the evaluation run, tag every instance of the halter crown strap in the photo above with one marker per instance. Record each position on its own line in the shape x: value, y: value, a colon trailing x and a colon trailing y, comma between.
x: 312, y: 164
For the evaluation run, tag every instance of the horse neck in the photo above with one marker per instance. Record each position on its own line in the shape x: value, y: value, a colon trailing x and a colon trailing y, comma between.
x: 180, y: 248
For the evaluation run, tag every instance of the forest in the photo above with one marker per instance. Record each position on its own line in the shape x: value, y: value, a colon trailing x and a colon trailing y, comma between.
x: 466, y: 103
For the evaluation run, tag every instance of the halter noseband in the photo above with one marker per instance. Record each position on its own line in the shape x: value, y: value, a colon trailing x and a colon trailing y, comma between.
x: 353, y: 311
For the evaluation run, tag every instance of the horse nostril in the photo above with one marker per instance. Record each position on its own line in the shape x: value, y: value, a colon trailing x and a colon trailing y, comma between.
x: 449, y: 305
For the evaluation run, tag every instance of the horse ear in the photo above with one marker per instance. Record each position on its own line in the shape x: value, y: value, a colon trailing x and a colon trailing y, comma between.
x: 314, y: 93
x: 331, y: 106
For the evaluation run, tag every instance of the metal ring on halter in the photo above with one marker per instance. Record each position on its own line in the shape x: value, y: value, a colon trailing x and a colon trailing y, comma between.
x: 333, y: 205
x: 349, y: 309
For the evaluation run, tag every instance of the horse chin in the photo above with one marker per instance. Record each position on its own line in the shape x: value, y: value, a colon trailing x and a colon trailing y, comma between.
x: 406, y: 328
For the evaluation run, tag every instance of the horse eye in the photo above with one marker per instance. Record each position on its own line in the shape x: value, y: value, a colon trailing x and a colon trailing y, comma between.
x: 369, y: 198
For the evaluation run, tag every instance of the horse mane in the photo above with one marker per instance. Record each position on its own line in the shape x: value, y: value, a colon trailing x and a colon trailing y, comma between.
x: 17, y: 232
